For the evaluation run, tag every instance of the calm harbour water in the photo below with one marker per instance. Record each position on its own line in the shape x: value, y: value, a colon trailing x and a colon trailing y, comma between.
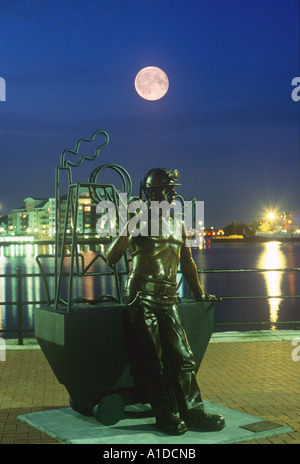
x: 270, y: 255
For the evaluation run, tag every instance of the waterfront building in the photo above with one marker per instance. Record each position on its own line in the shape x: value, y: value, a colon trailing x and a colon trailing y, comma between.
x: 36, y: 218
x: 32, y: 219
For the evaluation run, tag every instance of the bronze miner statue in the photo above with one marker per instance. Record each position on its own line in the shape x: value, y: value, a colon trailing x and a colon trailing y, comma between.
x: 151, y: 305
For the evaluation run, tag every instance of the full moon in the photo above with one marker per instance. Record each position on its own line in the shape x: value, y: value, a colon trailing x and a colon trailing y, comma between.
x: 151, y: 83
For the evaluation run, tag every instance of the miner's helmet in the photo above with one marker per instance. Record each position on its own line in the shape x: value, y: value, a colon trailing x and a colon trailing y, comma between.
x: 160, y: 177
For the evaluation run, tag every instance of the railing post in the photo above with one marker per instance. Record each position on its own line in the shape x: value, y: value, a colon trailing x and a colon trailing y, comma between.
x: 20, y: 305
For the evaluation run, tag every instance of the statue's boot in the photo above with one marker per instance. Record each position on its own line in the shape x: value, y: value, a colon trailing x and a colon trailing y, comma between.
x: 170, y: 423
x: 191, y: 406
x: 203, y: 420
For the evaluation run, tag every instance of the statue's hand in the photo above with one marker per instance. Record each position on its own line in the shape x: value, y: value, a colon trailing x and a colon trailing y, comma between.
x: 209, y: 297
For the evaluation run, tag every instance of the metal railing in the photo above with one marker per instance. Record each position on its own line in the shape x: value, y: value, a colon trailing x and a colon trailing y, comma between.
x: 20, y: 303
x: 254, y: 297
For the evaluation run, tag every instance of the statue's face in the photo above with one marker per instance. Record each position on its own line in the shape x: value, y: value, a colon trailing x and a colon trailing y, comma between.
x: 166, y: 193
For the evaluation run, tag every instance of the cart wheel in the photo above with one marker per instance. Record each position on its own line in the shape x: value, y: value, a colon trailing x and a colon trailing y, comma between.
x: 110, y: 409
x: 81, y: 409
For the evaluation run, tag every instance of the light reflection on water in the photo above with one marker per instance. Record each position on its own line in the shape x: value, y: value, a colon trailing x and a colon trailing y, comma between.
x: 272, y: 258
x: 270, y: 255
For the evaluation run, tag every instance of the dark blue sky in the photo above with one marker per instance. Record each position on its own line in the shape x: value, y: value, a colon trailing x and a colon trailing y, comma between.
x: 228, y: 122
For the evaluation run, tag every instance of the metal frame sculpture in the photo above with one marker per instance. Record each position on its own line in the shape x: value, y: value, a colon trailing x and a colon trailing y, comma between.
x: 98, y: 192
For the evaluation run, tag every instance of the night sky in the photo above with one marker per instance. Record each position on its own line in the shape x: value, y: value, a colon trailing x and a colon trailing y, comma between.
x: 227, y: 123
